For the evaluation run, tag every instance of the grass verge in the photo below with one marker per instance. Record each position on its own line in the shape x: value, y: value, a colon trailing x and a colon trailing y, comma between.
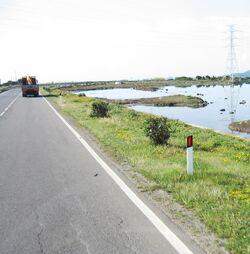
x: 219, y: 191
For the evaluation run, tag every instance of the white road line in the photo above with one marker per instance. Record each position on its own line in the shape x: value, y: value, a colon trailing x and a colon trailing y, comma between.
x: 152, y: 217
x: 8, y: 107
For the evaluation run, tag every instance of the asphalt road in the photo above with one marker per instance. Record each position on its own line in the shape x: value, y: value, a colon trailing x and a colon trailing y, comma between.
x: 6, y: 98
x: 56, y: 198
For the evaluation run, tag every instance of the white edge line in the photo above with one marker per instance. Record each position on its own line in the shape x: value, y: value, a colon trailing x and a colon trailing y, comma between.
x: 152, y: 217
x: 8, y: 107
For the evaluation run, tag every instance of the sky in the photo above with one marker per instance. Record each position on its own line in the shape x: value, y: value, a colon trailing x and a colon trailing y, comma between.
x: 80, y: 40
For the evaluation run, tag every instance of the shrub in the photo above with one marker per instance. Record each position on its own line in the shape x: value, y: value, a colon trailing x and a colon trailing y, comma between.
x: 99, y: 109
x: 156, y: 128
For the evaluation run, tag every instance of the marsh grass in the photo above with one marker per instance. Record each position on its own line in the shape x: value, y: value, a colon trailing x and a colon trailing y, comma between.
x: 242, y: 126
x: 171, y: 101
x: 218, y: 192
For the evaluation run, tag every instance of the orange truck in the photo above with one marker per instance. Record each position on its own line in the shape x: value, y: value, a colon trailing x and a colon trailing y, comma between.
x: 30, y: 86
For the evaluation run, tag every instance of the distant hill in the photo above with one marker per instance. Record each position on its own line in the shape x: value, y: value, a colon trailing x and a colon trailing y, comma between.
x: 245, y: 74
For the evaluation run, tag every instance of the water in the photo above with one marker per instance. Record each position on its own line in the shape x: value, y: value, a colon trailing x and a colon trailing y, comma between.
x: 209, y: 116
x: 122, y: 93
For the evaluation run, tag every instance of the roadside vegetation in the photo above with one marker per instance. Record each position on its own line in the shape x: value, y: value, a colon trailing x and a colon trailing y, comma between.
x: 8, y: 85
x: 4, y: 88
x: 242, y: 126
x: 170, y: 101
x: 99, y: 109
x: 218, y: 192
x: 157, y: 129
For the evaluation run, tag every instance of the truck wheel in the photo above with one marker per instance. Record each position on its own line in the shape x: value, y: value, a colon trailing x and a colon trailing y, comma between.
x: 24, y: 95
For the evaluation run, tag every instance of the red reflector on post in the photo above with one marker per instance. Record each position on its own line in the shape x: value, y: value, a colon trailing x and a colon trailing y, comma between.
x: 189, y: 141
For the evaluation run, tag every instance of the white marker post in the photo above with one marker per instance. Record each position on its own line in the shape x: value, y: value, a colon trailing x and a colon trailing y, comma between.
x: 190, y: 161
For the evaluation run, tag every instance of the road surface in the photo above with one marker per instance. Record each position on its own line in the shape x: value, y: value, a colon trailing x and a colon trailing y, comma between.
x: 56, y: 198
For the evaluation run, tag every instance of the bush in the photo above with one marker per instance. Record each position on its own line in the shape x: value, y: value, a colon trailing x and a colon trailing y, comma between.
x: 156, y: 128
x: 99, y: 109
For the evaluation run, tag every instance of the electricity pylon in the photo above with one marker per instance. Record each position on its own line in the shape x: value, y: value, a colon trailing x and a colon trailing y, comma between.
x: 233, y: 65
x: 232, y: 70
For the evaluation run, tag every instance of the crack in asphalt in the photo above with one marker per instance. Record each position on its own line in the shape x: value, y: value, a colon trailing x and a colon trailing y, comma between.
x: 40, y: 233
x: 39, y: 240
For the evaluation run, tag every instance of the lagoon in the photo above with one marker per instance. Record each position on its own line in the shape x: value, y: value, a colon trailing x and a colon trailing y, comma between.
x: 230, y: 99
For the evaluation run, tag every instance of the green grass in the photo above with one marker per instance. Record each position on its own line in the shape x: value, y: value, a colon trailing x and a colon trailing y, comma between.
x: 219, y: 191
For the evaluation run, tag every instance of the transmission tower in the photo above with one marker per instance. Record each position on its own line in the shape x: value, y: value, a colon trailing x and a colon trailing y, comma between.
x: 232, y: 70
x: 233, y: 65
